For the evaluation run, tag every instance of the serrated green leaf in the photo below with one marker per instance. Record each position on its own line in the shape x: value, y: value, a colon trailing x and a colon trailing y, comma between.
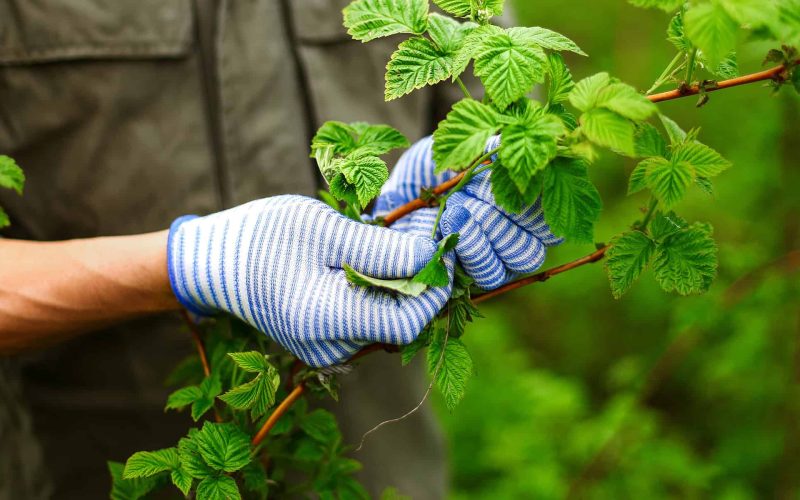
x: 509, y: 63
x: 686, y: 261
x: 343, y: 190
x: 367, y: 20
x: 584, y: 95
x: 607, y: 128
x: 405, y: 286
x: 366, y: 173
x: 447, y: 33
x: 250, y: 361
x: 665, y: 5
x: 461, y: 138
x: 191, y: 460
x: 182, y: 480
x: 4, y: 220
x: 664, y: 225
x: 649, y: 141
x: 150, y: 463
x: 132, y: 489
x: 711, y: 29
x: 459, y: 8
x: 416, y: 63
x: 455, y: 368
x: 244, y: 396
x: 435, y: 273
x: 626, y: 101
x: 506, y: 193
x: 223, y: 446
x: 527, y: 147
x: 677, y: 35
x: 705, y: 161
x: 638, y: 180
x: 627, y: 259
x: 183, y: 397
x: 559, y: 79
x: 545, y: 38
x: 218, y: 488
x: 11, y: 175
x: 321, y: 426
x: 753, y: 13
x: 727, y: 68
x: 669, y: 180
x: 675, y: 133
x: 408, y: 352
x: 571, y: 202
x: 378, y: 139
x: 336, y: 137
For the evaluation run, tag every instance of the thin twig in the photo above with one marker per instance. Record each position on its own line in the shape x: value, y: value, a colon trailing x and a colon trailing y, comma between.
x: 278, y: 413
x: 198, y: 341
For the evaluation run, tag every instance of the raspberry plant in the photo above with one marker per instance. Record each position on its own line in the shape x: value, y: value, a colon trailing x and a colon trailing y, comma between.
x: 257, y: 426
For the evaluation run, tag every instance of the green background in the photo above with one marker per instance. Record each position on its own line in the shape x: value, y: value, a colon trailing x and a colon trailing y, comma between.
x: 650, y: 396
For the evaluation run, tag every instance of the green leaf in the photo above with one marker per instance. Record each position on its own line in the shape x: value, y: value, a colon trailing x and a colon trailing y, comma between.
x: 150, y: 463
x: 527, y: 147
x: 506, y: 193
x: 727, y: 68
x: 686, y: 261
x: 447, y: 33
x: 182, y: 480
x: 461, y: 138
x: 649, y: 141
x: 675, y: 133
x: 257, y: 394
x: 321, y: 426
x: 677, y: 35
x: 454, y: 371
x: 435, y: 272
x: 626, y: 101
x: 638, y: 180
x: 545, y: 38
x: 415, y: 64
x: 366, y: 173
x: 367, y: 20
x: 251, y: 361
x: 584, y: 95
x: 627, y: 259
x: 11, y: 176
x: 459, y: 8
x: 218, y: 488
x: 337, y: 136
x: 378, y: 139
x: 509, y: 63
x: 131, y: 489
x: 344, y: 191
x: 711, y: 29
x: 559, y: 79
x: 405, y: 286
x: 669, y: 180
x: 705, y: 161
x: 210, y: 389
x: 183, y: 397
x: 666, y: 5
x: 571, y: 202
x: 191, y: 460
x: 223, y: 446
x: 409, y: 351
x: 608, y: 129
x: 664, y: 225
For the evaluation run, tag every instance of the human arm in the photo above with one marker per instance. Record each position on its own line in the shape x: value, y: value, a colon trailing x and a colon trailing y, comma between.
x: 50, y: 291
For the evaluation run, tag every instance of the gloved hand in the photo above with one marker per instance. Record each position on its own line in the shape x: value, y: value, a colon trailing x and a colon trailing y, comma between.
x: 494, y: 245
x: 276, y: 263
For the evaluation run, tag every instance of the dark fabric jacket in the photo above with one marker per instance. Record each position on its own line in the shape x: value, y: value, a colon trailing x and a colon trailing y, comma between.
x: 126, y: 114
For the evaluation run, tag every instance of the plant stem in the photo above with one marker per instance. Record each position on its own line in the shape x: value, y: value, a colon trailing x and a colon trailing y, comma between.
x: 651, y: 209
x: 690, y: 66
x: 198, y: 342
x: 666, y: 74
x: 463, y: 87
x: 278, y: 413
x: 468, y: 175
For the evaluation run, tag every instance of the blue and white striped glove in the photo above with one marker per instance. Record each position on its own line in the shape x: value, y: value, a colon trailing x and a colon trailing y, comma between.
x: 494, y: 245
x: 276, y: 263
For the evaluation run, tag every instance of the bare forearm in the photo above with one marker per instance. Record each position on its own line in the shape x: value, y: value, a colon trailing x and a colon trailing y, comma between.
x: 52, y: 290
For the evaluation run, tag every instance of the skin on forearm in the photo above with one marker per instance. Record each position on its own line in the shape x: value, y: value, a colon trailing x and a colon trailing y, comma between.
x: 50, y: 291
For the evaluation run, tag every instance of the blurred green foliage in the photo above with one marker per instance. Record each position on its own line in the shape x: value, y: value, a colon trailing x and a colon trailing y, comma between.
x: 652, y: 396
